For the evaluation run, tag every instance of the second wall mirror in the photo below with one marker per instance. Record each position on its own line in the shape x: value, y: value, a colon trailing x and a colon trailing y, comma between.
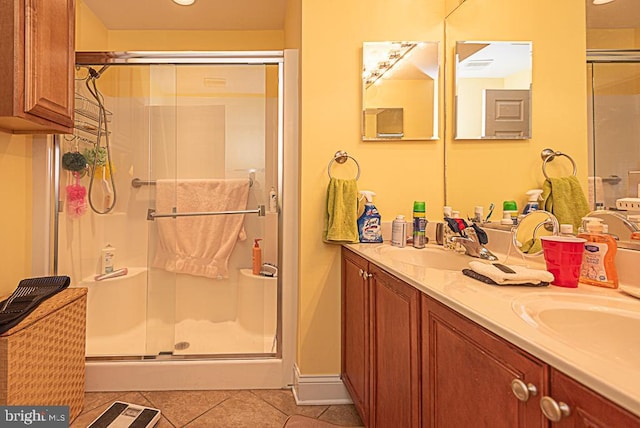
x: 400, y: 91
x: 493, y: 90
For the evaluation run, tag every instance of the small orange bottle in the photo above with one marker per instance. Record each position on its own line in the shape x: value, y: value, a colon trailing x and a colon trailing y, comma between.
x: 598, y: 261
x: 257, y: 256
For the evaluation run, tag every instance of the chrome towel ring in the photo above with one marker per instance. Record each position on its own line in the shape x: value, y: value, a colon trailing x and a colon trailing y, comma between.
x: 548, y: 155
x: 341, y: 157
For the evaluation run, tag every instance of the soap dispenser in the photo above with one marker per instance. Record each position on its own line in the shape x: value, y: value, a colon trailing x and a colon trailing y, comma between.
x: 598, y: 260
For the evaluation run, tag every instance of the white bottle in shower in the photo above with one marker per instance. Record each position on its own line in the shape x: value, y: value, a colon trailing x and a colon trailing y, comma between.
x: 107, y: 259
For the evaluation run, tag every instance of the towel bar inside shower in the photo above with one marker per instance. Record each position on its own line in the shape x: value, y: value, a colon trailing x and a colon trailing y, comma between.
x: 152, y: 215
x: 137, y: 183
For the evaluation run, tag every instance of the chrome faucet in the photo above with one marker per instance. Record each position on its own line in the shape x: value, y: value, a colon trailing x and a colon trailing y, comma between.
x: 473, y: 247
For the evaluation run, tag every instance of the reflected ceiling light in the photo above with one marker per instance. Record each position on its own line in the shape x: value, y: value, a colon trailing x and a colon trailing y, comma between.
x: 602, y: 1
x: 384, y: 62
x: 184, y: 2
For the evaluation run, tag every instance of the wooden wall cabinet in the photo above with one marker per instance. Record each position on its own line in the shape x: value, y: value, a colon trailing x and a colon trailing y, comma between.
x: 37, y: 58
x: 408, y: 361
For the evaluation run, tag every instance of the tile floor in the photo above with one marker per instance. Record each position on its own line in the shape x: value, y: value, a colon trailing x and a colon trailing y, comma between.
x: 213, y: 409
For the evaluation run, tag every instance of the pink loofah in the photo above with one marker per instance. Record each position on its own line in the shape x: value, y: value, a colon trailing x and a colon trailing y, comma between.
x: 76, y: 198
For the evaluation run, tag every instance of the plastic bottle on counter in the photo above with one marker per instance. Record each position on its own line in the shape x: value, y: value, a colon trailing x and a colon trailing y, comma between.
x: 399, y: 232
x: 370, y: 222
x: 566, y: 230
x: 419, y: 224
x: 598, y: 260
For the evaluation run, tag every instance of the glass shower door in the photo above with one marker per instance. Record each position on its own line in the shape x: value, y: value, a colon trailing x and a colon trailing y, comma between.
x: 213, y: 148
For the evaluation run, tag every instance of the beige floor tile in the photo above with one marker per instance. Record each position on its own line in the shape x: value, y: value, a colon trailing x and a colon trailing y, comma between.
x: 181, y: 407
x: 87, y: 417
x: 282, y: 399
x: 244, y: 409
x: 342, y: 415
x: 95, y: 399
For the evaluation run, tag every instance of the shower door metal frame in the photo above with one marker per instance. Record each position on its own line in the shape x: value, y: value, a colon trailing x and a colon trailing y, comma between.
x: 123, y: 58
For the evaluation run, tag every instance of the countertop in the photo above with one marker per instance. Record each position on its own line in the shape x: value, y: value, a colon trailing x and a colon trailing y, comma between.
x: 491, y: 307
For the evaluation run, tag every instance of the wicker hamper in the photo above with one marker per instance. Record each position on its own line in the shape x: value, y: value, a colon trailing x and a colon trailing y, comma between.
x: 42, y: 358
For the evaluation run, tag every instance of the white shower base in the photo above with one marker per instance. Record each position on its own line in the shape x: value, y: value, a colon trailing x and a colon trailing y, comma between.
x: 227, y: 337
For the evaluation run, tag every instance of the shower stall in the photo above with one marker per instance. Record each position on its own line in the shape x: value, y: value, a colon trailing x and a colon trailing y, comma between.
x: 182, y: 152
x: 613, y: 107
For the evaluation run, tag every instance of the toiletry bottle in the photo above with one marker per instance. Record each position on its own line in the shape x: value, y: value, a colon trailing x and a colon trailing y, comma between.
x: 453, y: 229
x: 512, y: 208
x: 399, y: 232
x: 273, y: 200
x: 566, y: 230
x: 107, y: 259
x: 419, y: 224
x: 256, y: 258
x: 478, y: 214
x: 534, y: 195
x: 447, y: 243
x: 370, y: 222
x: 598, y: 260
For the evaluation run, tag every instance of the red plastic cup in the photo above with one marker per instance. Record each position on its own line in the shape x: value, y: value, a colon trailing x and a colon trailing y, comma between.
x: 563, y: 255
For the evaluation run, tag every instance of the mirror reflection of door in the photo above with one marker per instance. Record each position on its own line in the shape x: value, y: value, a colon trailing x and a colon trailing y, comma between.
x: 506, y: 113
x: 485, y: 73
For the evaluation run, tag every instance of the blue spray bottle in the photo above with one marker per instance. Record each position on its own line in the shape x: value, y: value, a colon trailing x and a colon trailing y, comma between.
x: 534, y: 196
x: 369, y: 223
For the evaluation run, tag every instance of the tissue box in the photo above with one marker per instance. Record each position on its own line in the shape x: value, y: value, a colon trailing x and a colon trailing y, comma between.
x: 42, y: 358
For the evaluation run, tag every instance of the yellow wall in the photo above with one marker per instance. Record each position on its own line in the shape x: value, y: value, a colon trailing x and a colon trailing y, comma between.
x: 399, y: 172
x: 122, y: 40
x: 15, y: 216
x: 480, y: 172
x: 91, y: 34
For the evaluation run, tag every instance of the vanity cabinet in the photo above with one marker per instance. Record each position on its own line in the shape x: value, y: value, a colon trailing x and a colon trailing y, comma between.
x: 380, y: 344
x: 37, y: 57
x: 409, y: 360
x: 585, y: 407
x: 468, y: 374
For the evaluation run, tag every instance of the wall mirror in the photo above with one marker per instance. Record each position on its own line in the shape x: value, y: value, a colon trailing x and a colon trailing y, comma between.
x: 493, y: 90
x: 400, y: 91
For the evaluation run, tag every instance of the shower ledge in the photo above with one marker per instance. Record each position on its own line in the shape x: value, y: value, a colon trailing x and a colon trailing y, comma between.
x: 132, y: 272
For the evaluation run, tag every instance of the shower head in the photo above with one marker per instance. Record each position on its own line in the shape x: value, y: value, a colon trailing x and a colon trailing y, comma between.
x: 96, y: 74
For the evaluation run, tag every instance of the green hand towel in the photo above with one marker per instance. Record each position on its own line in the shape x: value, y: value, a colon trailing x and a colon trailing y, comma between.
x: 341, y: 215
x: 563, y: 197
x: 532, y: 246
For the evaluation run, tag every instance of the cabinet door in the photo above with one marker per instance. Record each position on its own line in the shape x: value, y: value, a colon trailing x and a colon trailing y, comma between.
x: 355, y: 331
x: 395, y: 347
x: 467, y: 374
x: 50, y: 59
x: 586, y: 408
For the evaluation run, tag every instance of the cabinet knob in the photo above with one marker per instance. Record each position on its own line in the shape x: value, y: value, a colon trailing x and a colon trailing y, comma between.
x: 366, y: 275
x: 553, y: 410
x: 523, y: 391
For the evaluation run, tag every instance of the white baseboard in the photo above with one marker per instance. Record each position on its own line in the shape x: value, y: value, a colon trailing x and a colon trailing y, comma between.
x: 319, y: 390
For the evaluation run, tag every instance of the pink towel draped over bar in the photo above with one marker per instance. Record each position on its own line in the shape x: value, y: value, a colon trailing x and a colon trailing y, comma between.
x: 199, y: 245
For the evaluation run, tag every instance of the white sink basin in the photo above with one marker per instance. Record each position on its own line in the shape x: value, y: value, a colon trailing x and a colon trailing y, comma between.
x: 607, y: 326
x: 430, y: 257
